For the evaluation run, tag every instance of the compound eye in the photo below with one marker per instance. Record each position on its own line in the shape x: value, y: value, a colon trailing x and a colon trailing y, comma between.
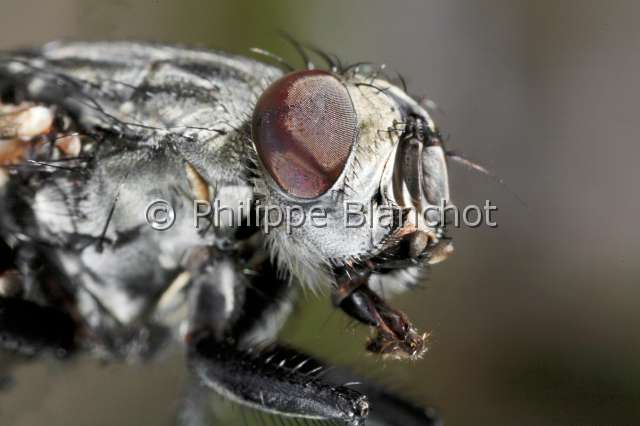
x: 304, y: 127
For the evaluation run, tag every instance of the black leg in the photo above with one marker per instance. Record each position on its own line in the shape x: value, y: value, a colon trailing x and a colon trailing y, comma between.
x: 28, y: 328
x: 396, y: 336
x: 280, y: 380
x: 277, y: 381
x: 387, y: 408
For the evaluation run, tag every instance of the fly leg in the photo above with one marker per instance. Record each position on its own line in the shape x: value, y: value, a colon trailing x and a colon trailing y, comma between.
x: 28, y: 328
x: 255, y: 380
x: 387, y: 407
x: 395, y: 335
x: 263, y: 379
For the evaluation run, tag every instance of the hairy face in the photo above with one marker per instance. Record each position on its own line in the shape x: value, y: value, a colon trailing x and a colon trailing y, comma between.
x: 355, y: 151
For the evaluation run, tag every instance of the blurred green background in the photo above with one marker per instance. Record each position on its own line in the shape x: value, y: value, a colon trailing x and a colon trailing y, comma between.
x: 535, y: 322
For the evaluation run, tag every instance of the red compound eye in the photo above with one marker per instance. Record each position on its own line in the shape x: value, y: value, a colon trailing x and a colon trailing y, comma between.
x: 304, y: 127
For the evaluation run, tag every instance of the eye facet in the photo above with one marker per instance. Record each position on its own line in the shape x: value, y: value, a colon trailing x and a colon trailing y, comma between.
x: 304, y: 127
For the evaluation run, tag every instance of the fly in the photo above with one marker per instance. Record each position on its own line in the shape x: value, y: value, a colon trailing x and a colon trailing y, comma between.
x: 94, y: 134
